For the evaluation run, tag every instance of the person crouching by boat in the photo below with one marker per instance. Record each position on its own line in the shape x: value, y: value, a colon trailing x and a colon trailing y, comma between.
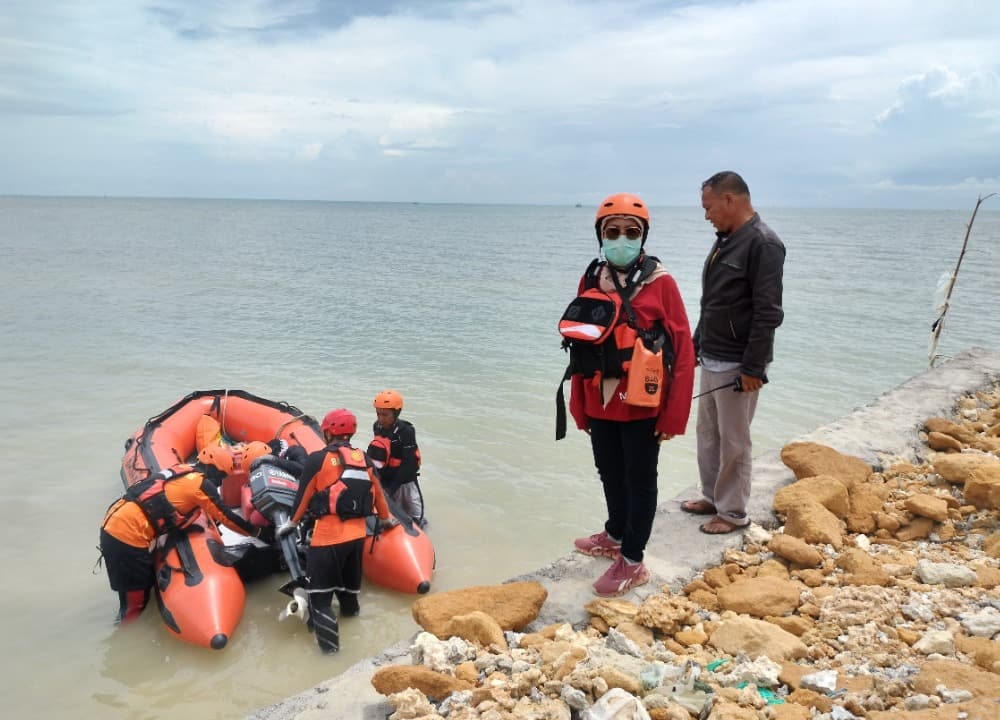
x: 338, y: 487
x: 166, y: 502
x: 397, y: 456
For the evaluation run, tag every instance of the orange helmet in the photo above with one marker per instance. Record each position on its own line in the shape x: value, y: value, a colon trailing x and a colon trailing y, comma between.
x: 254, y: 450
x: 389, y: 399
x: 340, y: 422
x: 216, y: 455
x: 622, y: 204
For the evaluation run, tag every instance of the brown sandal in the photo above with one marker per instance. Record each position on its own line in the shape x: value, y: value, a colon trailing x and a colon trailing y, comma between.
x: 698, y: 507
x: 718, y: 526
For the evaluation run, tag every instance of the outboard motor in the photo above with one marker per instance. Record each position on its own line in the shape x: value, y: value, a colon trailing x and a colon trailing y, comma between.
x: 272, y: 494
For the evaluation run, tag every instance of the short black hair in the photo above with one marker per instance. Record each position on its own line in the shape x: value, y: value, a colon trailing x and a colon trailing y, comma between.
x: 727, y: 182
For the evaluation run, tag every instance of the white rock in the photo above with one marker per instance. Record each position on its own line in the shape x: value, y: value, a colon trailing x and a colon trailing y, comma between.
x: 863, y: 542
x: 947, y: 574
x: 616, y: 704
x: 756, y: 535
x: 954, y: 696
x: 984, y: 623
x: 823, y: 682
x: 917, y: 701
x: 936, y: 641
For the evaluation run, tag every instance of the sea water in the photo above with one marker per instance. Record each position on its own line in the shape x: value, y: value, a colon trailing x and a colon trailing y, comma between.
x: 112, y: 309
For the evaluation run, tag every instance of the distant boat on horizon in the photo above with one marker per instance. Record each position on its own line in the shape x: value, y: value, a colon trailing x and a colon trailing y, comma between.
x: 578, y: 205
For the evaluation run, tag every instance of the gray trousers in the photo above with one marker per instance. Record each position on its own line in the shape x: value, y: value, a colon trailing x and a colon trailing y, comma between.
x: 725, y: 451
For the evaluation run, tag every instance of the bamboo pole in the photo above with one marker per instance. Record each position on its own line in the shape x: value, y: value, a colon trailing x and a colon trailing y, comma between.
x: 939, y: 323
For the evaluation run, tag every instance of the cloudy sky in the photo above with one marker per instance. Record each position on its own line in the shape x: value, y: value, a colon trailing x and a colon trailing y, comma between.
x: 843, y: 103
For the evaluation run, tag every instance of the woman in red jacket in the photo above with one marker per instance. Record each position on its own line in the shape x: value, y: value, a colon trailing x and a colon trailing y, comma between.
x: 625, y: 436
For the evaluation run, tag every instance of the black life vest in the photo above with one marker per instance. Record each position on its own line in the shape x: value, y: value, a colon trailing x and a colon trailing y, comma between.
x: 351, y: 495
x: 599, y: 331
x: 149, y: 495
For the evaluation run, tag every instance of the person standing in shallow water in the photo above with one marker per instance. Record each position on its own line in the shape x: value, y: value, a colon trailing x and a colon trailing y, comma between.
x: 625, y: 437
x: 734, y: 342
x: 397, y: 456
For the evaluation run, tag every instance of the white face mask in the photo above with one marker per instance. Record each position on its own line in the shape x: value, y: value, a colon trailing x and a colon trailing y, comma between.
x: 622, y: 252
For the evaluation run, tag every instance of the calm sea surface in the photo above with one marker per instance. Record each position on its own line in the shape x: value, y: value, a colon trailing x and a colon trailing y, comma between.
x: 112, y: 309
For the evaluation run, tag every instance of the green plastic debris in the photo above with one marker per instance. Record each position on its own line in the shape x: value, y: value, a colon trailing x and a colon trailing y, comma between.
x: 769, y: 695
x: 716, y: 664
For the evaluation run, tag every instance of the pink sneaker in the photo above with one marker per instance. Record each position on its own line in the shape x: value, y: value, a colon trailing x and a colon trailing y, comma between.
x: 598, y: 544
x: 620, y: 578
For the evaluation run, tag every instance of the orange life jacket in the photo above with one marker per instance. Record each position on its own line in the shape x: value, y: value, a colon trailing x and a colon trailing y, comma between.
x: 350, y: 495
x: 149, y: 495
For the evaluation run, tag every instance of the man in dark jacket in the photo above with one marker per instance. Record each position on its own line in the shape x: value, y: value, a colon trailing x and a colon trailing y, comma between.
x: 734, y: 342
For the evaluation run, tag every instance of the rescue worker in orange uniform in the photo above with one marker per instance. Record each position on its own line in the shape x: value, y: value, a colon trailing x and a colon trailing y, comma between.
x: 168, y: 501
x: 394, y: 451
x: 339, y: 488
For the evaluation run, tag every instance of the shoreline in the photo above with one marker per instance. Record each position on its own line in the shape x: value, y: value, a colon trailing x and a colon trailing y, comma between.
x: 885, y: 430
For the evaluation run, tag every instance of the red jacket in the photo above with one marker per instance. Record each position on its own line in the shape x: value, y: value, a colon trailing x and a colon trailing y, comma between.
x: 657, y: 299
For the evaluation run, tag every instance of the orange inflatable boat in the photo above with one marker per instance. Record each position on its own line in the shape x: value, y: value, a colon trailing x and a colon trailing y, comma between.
x: 401, y: 558
x: 198, y: 591
x: 198, y: 575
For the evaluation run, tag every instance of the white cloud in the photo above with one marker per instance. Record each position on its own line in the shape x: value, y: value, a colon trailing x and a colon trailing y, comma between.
x: 544, y: 94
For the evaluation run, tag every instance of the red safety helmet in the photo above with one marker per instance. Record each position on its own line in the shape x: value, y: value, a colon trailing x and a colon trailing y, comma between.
x: 340, y: 422
x: 622, y: 204
x: 389, y: 399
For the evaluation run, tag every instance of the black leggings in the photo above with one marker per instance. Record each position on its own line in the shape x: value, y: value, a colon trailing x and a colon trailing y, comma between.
x: 626, y: 454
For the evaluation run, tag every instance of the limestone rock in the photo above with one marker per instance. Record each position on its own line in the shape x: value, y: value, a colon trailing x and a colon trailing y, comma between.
x: 812, y: 699
x: 956, y: 469
x: 512, y: 605
x: 477, y: 627
x: 982, y: 488
x: 667, y: 613
x: 992, y: 545
x: 947, y: 574
x: 955, y: 675
x: 773, y: 568
x: 808, y: 459
x: 790, y: 711
x: 944, y: 443
x: 866, y: 503
x: 940, y: 642
x: 411, y: 703
x: 756, y: 638
x: 862, y: 568
x: 987, y: 577
x: 761, y: 596
x: 927, y: 506
x: 920, y: 527
x: 828, y: 491
x: 795, y: 549
x: 985, y: 652
x: 795, y: 624
x: 635, y: 632
x: 949, y: 428
x: 433, y: 684
x: 814, y: 523
x: 613, y: 612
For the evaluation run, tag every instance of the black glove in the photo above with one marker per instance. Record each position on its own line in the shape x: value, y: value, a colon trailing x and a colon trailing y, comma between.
x: 278, y: 447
